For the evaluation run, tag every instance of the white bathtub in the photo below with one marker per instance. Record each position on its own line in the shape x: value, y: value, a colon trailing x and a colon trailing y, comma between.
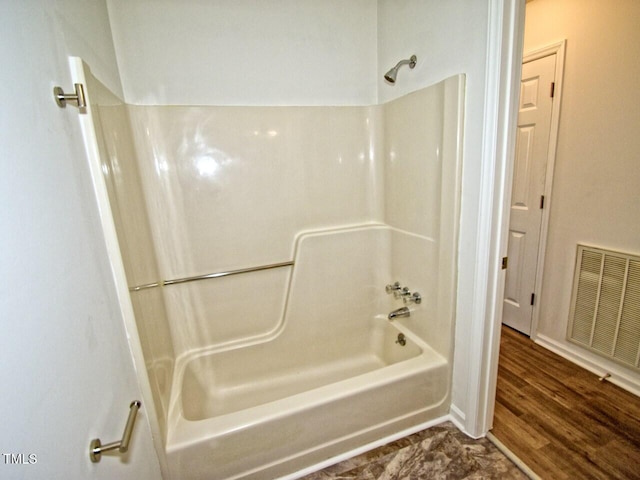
x: 254, y: 424
x: 331, y: 378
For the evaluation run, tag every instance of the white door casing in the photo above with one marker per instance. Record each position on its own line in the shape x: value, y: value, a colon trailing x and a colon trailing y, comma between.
x: 527, y: 201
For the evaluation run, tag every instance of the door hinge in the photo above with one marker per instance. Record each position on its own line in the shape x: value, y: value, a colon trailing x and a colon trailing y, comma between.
x: 553, y: 89
x: 533, y: 298
x: 505, y: 260
x: 541, y: 201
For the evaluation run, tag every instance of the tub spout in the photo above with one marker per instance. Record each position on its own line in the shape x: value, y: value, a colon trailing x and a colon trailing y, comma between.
x: 400, y: 312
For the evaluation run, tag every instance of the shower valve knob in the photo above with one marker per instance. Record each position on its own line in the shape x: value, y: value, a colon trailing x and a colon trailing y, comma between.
x: 392, y: 288
x: 415, y: 297
x: 403, y: 293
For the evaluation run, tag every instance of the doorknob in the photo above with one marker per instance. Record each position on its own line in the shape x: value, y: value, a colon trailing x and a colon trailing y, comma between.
x: 96, y: 449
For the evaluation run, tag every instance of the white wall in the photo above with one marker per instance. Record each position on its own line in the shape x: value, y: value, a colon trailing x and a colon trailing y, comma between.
x: 596, y: 197
x: 85, y: 30
x: 447, y: 37
x: 246, y: 52
x: 67, y: 370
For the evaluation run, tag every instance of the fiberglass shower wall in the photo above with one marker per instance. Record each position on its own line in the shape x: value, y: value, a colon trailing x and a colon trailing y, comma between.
x: 422, y: 130
x: 199, y: 190
x: 230, y: 187
x: 129, y: 212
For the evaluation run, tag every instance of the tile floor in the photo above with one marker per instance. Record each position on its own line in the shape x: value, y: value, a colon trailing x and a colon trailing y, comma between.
x: 440, y: 452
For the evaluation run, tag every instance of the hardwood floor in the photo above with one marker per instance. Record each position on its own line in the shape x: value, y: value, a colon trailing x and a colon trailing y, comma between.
x: 559, y: 419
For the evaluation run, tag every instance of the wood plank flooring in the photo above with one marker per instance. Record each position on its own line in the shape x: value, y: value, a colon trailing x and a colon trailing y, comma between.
x: 559, y: 419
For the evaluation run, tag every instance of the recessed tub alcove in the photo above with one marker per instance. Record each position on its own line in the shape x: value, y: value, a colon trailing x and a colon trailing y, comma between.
x: 270, y: 373
x: 329, y: 379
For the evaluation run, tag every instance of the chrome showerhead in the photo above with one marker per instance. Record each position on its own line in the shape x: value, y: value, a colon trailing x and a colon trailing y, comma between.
x: 390, y: 76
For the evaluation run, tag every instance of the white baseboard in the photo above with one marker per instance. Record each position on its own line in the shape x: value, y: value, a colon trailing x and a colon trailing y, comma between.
x: 618, y: 376
x: 513, y: 457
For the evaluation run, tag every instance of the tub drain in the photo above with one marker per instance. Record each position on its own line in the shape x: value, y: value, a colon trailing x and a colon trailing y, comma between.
x: 401, y: 339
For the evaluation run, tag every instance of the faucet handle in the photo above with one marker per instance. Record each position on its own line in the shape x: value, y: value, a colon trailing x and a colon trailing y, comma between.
x: 412, y: 298
x: 402, y: 293
x: 393, y: 287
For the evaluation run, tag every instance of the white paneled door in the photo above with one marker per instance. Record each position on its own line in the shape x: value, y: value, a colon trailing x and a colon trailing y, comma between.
x: 527, y: 201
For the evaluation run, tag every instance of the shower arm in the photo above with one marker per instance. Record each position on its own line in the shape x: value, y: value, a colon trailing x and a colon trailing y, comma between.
x: 390, y: 76
x: 411, y: 61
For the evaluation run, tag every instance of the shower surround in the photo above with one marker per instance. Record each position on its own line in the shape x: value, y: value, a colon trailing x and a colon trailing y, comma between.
x: 268, y: 373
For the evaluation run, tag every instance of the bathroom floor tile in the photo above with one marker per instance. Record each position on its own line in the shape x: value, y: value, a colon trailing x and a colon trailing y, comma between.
x: 440, y: 452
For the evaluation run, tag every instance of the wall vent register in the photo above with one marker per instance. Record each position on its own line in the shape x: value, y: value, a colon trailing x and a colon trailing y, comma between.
x: 605, y: 304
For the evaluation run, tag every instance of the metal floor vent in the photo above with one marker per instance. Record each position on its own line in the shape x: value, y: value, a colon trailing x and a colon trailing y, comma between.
x: 605, y: 304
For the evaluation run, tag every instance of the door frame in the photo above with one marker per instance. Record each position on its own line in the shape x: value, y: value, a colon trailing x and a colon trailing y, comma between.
x: 504, y: 64
x: 505, y: 35
x: 557, y: 49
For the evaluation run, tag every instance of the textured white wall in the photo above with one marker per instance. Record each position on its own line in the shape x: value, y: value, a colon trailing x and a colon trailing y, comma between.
x: 67, y: 374
x: 596, y: 196
x: 246, y: 52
